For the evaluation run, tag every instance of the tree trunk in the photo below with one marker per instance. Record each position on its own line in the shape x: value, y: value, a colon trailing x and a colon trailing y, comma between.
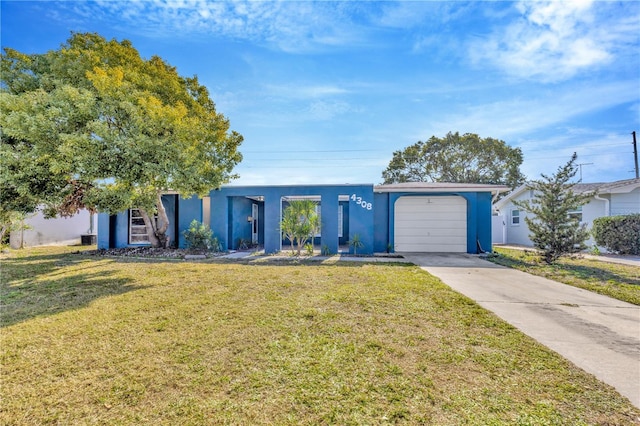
x: 157, y: 230
x: 151, y: 228
x: 163, y: 220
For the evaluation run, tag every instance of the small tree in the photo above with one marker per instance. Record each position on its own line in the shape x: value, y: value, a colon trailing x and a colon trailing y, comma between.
x: 553, y: 230
x: 300, y: 222
x: 288, y: 226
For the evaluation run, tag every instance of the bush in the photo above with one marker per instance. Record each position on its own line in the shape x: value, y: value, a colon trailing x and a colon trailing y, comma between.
x: 620, y: 234
x: 200, y: 237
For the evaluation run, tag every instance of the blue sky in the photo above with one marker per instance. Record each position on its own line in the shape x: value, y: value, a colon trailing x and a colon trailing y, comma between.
x: 325, y: 92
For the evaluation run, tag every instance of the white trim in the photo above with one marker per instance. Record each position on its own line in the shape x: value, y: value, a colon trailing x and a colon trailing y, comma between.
x: 138, y: 230
x: 437, y: 187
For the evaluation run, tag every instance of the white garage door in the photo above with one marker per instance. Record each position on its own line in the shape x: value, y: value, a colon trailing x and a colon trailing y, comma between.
x: 431, y: 224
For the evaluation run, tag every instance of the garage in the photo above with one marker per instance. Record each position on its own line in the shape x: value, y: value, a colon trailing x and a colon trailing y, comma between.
x: 431, y: 224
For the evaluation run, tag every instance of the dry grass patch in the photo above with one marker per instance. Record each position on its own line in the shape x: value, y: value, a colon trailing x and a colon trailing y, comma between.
x: 621, y: 282
x: 130, y: 342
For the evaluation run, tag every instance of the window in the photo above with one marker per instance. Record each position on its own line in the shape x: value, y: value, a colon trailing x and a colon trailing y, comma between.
x: 515, y: 217
x: 340, y: 218
x: 137, y: 228
x: 340, y: 225
x: 576, y: 214
x: 318, y: 209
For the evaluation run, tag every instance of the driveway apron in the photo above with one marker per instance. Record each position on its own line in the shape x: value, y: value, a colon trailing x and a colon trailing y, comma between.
x: 599, y: 334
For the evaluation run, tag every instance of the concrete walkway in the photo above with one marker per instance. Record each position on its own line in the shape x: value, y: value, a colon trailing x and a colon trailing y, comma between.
x: 599, y: 334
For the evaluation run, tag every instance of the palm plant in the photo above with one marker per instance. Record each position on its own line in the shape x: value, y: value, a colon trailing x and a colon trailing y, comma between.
x: 300, y: 222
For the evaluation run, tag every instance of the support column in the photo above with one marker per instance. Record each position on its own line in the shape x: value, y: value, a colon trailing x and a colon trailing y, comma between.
x: 329, y: 225
x: 272, y: 236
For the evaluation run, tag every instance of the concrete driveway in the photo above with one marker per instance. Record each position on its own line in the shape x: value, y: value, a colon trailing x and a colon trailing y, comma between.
x: 599, y: 334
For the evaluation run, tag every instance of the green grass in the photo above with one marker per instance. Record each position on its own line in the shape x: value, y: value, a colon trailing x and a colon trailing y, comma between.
x: 621, y: 282
x: 88, y: 340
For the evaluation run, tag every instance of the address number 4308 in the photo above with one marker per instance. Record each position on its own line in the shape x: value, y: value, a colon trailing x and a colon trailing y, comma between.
x: 362, y: 203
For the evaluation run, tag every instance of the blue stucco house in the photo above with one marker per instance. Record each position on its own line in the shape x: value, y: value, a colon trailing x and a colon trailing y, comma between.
x: 407, y: 217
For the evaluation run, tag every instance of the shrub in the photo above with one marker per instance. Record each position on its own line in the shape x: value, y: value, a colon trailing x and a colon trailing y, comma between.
x: 309, y: 249
x: 356, y: 243
x: 200, y: 237
x: 620, y: 234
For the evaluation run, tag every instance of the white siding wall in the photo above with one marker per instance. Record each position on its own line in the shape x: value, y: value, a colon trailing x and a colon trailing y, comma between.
x: 592, y: 210
x: 625, y: 203
x: 58, y: 231
x: 517, y: 233
x: 498, y: 229
x: 619, y: 204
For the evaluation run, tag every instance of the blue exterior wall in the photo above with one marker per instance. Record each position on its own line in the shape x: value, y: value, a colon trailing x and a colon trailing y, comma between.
x: 483, y: 212
x: 368, y: 214
x: 224, y: 215
x: 381, y: 219
x: 103, y: 231
x: 239, y: 227
x: 189, y: 209
x: 115, y: 232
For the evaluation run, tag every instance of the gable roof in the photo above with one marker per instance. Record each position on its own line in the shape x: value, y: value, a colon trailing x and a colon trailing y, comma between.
x: 616, y: 187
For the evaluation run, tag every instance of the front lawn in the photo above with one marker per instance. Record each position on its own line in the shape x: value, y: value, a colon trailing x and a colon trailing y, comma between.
x: 89, y: 340
x: 621, y: 282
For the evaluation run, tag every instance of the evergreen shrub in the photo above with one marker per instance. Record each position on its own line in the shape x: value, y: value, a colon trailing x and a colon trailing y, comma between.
x: 620, y: 234
x: 200, y: 237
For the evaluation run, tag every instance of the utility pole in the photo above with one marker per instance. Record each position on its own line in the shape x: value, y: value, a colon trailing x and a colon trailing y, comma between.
x: 635, y: 152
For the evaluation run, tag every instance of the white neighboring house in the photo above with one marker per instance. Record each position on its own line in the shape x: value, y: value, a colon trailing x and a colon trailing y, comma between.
x: 611, y: 199
x: 56, y: 231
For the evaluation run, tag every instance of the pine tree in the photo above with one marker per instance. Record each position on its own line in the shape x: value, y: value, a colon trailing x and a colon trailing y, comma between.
x: 553, y: 230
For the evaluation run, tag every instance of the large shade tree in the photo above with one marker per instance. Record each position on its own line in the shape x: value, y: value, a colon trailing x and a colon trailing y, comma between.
x: 94, y: 125
x: 466, y: 158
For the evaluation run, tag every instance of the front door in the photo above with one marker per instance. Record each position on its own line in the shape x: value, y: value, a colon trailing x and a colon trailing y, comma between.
x: 254, y: 224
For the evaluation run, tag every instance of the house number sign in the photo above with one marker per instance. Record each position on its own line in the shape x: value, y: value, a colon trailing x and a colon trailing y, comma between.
x: 362, y: 203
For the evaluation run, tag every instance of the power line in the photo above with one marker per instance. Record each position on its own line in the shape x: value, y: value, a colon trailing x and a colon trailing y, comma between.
x: 295, y: 151
x: 317, y: 159
x: 579, y: 156
x: 313, y: 151
x: 582, y: 146
x: 304, y: 167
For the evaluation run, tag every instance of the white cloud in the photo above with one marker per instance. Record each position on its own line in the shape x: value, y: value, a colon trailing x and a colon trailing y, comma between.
x: 288, y: 26
x: 323, y: 110
x: 301, y: 91
x: 554, y: 41
x: 512, y: 117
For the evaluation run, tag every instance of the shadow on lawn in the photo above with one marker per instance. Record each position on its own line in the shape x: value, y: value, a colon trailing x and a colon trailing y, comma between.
x: 41, y: 285
x: 587, y: 273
